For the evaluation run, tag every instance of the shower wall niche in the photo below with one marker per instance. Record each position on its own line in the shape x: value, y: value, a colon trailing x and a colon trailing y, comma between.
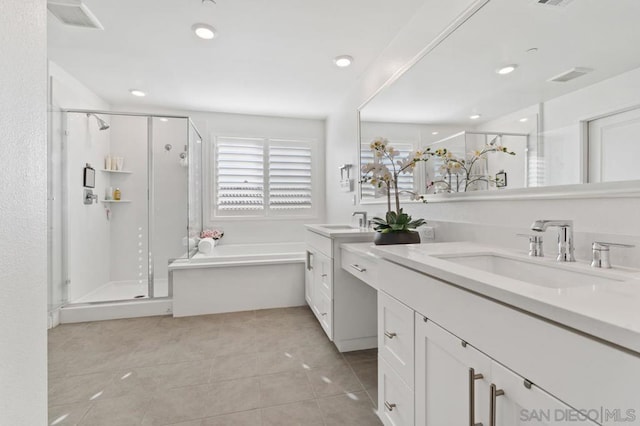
x: 119, y: 249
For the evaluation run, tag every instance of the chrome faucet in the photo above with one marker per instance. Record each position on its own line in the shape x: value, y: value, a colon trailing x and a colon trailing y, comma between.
x: 565, y: 237
x: 363, y: 220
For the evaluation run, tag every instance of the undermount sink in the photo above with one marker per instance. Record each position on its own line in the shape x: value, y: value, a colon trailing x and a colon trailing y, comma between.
x: 338, y: 227
x: 544, y: 275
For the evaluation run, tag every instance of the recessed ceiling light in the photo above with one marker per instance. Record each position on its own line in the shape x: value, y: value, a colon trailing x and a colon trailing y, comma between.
x: 164, y: 119
x: 474, y: 116
x: 507, y: 69
x: 136, y: 92
x: 524, y: 120
x: 343, y: 61
x: 434, y: 133
x: 204, y: 31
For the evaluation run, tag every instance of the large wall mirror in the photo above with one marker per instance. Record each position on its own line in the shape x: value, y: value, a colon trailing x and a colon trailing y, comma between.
x: 556, y: 83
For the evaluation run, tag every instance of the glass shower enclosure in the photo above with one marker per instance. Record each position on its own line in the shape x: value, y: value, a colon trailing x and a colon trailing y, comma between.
x: 124, y: 201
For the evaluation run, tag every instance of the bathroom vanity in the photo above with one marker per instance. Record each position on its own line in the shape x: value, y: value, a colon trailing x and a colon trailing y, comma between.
x: 470, y: 334
x: 344, y: 305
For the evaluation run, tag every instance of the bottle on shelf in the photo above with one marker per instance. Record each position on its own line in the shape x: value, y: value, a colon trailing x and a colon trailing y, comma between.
x: 117, y: 194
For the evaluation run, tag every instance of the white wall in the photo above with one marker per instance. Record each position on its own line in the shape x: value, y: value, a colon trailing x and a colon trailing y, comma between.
x: 211, y: 124
x: 493, y: 221
x: 23, y: 212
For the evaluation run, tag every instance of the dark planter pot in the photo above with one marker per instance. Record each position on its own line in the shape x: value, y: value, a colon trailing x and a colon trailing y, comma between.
x: 403, y: 237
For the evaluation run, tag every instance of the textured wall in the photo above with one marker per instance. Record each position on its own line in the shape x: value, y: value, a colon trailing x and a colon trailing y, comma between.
x: 23, y: 212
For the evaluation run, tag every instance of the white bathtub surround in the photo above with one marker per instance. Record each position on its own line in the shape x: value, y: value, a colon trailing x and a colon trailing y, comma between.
x: 239, y: 277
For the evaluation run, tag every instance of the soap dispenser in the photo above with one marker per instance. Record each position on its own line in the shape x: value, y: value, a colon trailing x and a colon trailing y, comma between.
x: 117, y: 194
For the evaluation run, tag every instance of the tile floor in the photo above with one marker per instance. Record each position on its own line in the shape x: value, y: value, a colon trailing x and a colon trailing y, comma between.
x: 269, y: 367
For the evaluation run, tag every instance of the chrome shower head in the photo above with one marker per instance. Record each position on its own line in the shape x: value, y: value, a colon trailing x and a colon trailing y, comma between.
x: 102, y: 125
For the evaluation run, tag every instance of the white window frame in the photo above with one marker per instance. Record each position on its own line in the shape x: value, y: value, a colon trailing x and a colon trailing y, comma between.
x: 266, y: 213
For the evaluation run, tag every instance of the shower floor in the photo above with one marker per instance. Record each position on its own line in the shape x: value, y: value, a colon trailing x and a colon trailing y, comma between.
x: 124, y: 290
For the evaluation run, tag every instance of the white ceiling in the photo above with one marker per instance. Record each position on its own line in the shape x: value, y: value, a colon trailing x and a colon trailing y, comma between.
x: 270, y: 57
x: 458, y: 78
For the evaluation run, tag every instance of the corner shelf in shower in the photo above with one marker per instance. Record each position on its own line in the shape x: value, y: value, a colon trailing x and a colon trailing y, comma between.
x: 116, y: 201
x: 126, y: 172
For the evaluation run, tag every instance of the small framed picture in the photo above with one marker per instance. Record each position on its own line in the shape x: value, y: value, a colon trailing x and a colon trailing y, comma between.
x: 501, y: 179
x: 89, y: 180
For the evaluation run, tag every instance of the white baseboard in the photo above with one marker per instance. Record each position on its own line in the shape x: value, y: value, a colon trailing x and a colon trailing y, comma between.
x: 115, y: 310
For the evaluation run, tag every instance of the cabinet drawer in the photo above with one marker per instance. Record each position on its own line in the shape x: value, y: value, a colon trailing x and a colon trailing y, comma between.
x: 395, y: 398
x: 319, y: 242
x: 395, y: 336
x: 361, y: 266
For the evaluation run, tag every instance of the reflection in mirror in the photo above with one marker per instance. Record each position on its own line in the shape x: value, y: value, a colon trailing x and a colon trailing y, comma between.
x: 568, y: 105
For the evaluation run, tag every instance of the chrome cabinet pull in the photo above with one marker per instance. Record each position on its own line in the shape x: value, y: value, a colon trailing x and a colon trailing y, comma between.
x: 495, y: 393
x: 390, y: 335
x: 389, y: 406
x: 358, y: 268
x: 472, y: 396
x: 309, y: 260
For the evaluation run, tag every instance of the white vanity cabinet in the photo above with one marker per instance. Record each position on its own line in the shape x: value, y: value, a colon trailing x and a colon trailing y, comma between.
x: 344, y: 305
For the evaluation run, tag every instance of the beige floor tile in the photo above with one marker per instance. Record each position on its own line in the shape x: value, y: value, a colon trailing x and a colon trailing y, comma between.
x: 333, y: 380
x: 303, y: 413
x: 123, y: 411
x: 177, y: 405
x: 279, y: 361
x: 367, y: 372
x: 189, y: 423
x: 234, y: 367
x: 353, y: 409
x: 320, y: 355
x: 364, y: 355
x: 232, y: 396
x: 373, y: 394
x: 281, y: 388
x: 74, y: 389
x: 243, y: 418
x: 68, y: 414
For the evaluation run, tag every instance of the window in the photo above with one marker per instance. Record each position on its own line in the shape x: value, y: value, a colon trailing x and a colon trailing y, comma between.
x: 263, y: 177
x: 405, y: 180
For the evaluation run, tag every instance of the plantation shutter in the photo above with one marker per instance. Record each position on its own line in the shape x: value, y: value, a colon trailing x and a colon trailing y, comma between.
x: 290, y: 181
x: 240, y: 174
x: 405, y: 181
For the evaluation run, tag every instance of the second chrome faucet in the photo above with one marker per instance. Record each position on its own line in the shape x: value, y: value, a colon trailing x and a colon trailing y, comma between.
x: 565, y: 237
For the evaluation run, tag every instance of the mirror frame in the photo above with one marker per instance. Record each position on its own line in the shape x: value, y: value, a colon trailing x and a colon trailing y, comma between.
x: 583, y: 190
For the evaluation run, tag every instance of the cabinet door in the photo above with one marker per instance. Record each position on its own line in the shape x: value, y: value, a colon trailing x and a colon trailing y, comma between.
x: 308, y: 278
x: 451, y: 378
x: 517, y: 402
x: 324, y: 274
x: 395, y: 398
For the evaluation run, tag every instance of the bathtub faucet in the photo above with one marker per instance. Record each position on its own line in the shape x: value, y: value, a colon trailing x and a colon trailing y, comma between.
x: 362, y: 221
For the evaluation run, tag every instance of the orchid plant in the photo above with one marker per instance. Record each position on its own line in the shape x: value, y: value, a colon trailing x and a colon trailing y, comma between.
x: 462, y: 169
x: 384, y: 176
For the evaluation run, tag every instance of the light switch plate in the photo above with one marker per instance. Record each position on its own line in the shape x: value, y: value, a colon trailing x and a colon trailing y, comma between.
x: 346, y: 185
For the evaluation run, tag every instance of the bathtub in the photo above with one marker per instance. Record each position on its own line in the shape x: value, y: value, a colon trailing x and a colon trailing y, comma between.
x: 239, y: 277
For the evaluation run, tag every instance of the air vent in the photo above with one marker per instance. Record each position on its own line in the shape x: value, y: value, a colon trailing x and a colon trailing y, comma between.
x: 553, y: 2
x: 571, y: 74
x: 74, y: 13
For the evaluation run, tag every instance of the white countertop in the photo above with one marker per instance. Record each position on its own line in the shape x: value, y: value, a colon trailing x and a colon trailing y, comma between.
x: 608, y: 311
x: 337, y: 231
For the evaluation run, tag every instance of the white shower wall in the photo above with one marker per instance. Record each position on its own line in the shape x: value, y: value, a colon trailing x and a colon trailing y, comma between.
x: 88, y: 233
